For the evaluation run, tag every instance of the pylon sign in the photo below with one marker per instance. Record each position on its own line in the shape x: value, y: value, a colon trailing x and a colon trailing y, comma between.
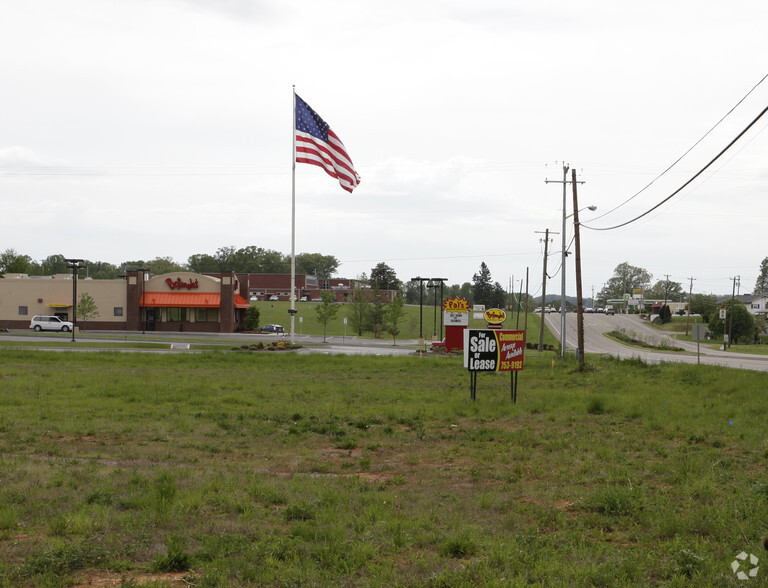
x: 491, y: 350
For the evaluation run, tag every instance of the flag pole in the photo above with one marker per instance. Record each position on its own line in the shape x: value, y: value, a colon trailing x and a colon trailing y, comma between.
x: 293, y: 221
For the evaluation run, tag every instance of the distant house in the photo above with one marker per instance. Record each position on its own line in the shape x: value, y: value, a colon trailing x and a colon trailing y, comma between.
x: 756, y: 304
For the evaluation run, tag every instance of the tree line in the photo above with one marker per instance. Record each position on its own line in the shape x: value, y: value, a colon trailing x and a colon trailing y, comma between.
x: 251, y: 259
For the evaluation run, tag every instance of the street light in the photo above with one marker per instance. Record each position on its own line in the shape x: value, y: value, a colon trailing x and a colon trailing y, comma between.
x: 74, y: 266
x: 562, y: 271
x: 421, y: 281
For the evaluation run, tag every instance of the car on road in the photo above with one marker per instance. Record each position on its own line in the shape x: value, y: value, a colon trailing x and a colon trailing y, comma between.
x: 609, y: 310
x: 49, y: 323
x: 272, y: 329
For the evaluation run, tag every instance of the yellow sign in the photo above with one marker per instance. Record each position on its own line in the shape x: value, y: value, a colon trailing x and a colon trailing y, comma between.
x: 456, y: 305
x: 495, y: 316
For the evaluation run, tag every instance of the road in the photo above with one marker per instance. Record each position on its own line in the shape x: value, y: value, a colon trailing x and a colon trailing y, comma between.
x: 594, y: 342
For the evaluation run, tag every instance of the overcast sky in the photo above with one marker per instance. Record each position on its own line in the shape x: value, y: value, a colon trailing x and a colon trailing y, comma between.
x: 136, y: 129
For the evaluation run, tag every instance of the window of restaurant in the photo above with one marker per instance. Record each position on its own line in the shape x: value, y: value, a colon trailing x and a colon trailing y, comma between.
x: 203, y: 315
x: 177, y: 315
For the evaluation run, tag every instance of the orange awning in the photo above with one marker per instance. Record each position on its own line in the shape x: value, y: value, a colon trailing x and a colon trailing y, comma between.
x: 241, y: 302
x: 181, y: 300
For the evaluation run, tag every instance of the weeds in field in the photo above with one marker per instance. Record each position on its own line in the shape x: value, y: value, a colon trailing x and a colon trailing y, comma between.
x: 282, y: 469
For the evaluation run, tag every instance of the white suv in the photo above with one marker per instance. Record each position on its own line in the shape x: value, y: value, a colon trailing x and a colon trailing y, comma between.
x: 49, y: 323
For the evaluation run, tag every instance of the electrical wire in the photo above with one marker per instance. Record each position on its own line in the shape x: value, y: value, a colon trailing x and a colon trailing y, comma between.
x: 704, y: 136
x: 701, y: 171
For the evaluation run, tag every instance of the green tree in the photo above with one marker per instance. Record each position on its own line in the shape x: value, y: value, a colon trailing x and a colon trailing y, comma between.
x: 86, y: 308
x: 498, y: 296
x: 384, y: 277
x: 395, y: 312
x: 326, y: 310
x: 625, y: 278
x: 164, y: 265
x: 376, y: 317
x: 665, y: 314
x: 202, y: 263
x: 322, y: 266
x: 359, y: 307
x: 101, y: 270
x: 743, y: 326
x: 705, y: 305
x: 411, y: 292
x: 252, y: 316
x: 482, y: 286
x: 761, y: 285
x: 53, y: 264
x: 665, y: 290
x: 12, y: 262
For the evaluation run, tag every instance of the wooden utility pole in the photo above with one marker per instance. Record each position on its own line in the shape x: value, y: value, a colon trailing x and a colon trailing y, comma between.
x: 577, y: 250
x: 544, y: 288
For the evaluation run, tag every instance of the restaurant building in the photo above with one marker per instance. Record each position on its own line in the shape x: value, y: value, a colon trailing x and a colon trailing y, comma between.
x: 171, y: 302
x: 178, y: 301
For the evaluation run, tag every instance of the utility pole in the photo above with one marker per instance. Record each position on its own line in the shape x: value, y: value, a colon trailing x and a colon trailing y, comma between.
x: 690, y: 299
x: 544, y: 288
x: 577, y: 249
x: 730, y: 323
x: 564, y: 255
x: 666, y: 290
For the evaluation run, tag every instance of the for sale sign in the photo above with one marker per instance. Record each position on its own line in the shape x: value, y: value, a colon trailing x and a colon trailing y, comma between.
x: 489, y: 350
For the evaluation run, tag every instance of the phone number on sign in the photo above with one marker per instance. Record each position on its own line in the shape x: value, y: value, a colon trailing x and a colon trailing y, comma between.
x: 510, y: 365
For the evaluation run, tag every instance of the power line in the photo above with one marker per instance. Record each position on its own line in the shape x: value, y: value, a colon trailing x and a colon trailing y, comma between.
x: 701, y: 171
x: 684, y: 154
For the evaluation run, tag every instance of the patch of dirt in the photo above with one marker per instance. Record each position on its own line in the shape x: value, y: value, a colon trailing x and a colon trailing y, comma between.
x: 106, y: 579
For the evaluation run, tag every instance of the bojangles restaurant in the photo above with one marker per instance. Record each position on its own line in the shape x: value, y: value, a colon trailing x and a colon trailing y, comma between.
x: 181, y: 301
x: 184, y: 301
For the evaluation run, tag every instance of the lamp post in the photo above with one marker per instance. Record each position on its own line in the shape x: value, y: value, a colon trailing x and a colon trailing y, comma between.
x: 562, y: 271
x: 74, y: 265
x: 435, y: 282
x: 433, y: 285
x: 421, y: 281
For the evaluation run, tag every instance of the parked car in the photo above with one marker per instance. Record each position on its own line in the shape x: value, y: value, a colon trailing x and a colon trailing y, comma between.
x: 272, y: 329
x: 304, y: 299
x: 609, y: 310
x: 317, y: 300
x: 274, y: 297
x: 49, y: 323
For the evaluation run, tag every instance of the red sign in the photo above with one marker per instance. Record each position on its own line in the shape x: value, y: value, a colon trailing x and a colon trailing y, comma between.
x: 177, y: 284
x: 488, y: 350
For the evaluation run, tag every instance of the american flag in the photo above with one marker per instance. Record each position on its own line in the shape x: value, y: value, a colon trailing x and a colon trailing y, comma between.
x: 317, y: 144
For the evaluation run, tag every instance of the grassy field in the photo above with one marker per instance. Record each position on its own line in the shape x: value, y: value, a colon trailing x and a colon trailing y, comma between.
x: 277, y: 313
x: 282, y: 469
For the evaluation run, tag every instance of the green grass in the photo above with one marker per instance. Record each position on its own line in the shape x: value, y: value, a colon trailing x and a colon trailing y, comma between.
x: 252, y: 470
x: 277, y: 313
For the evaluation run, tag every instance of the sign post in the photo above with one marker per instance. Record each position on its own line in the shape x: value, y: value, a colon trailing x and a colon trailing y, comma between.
x: 493, y: 350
